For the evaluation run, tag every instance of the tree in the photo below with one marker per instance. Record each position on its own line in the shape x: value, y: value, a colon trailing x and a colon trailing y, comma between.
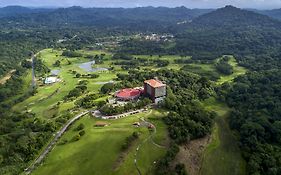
x: 80, y: 127
x: 106, y: 88
x: 75, y: 138
x: 26, y: 64
x: 1, y: 159
x: 57, y: 63
x: 78, y: 75
x: 180, y: 169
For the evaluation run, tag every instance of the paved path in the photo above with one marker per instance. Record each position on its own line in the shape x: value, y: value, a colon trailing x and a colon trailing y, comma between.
x: 98, y: 114
x: 52, y: 143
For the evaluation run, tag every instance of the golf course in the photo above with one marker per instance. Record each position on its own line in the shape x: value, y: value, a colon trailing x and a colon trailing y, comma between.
x: 99, y: 149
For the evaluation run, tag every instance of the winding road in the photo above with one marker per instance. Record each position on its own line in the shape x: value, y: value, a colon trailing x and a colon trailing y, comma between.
x: 53, y: 142
x: 148, y: 138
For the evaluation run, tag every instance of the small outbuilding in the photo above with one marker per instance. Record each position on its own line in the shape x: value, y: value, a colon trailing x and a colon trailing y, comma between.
x: 51, y: 80
x: 101, y: 124
x: 136, y: 124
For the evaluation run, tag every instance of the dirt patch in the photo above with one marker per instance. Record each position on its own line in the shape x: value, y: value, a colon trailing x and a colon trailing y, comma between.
x: 7, y: 77
x: 51, y: 112
x: 120, y: 160
x: 122, y: 156
x: 191, y: 155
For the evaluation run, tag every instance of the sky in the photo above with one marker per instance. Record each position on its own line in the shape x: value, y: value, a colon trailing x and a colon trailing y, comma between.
x: 259, y: 4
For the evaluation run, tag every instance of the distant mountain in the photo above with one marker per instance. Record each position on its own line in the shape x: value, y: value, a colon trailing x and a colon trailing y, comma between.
x: 275, y: 13
x: 160, y: 16
x: 18, y: 10
x: 234, y: 17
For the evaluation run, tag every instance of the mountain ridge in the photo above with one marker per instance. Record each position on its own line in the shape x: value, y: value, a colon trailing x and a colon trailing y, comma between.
x: 232, y: 16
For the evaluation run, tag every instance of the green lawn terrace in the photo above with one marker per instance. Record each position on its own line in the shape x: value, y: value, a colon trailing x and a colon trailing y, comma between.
x: 99, y: 150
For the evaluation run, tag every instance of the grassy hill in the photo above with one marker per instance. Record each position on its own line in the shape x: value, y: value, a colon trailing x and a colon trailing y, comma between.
x: 99, y: 150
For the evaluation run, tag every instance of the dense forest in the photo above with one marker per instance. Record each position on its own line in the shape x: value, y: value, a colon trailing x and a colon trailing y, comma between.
x: 256, y: 116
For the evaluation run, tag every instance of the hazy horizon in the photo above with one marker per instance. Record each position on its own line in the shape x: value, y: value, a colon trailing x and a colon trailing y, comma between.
x: 203, y: 4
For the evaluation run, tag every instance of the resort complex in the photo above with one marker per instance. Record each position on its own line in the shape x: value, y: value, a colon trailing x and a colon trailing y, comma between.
x: 153, y: 89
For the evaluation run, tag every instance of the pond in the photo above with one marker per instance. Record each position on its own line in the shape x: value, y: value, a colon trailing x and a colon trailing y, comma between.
x: 88, y: 67
x: 55, y: 72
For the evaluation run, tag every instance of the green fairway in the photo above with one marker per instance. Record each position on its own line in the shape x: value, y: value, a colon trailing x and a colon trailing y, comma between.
x: 98, y: 151
x: 170, y: 58
x: 209, y: 70
x: 237, y: 70
x: 223, y: 156
x: 223, y: 150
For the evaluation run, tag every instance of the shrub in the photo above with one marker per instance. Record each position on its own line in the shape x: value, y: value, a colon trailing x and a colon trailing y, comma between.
x: 180, y: 169
x: 80, y: 127
x: 81, y: 133
x: 64, y: 141
x: 75, y: 138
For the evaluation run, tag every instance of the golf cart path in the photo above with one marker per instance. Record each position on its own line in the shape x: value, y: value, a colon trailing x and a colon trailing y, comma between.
x: 148, y: 138
x: 53, y: 142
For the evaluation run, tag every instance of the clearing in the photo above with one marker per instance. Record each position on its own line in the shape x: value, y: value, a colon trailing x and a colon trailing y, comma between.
x: 7, y: 77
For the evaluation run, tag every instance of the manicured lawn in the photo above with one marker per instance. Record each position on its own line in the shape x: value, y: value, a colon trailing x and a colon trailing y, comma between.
x: 97, y: 152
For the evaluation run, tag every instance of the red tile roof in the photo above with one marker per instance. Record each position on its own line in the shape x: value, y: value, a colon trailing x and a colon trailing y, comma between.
x: 128, y: 93
x: 154, y: 83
